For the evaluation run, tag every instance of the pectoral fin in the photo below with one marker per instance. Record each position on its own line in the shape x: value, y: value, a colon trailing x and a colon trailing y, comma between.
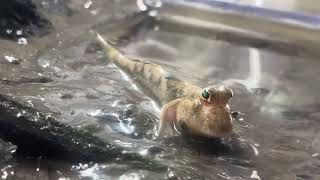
x: 168, y: 117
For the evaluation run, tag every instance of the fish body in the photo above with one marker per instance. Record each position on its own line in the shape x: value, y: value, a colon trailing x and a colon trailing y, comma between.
x: 199, y: 112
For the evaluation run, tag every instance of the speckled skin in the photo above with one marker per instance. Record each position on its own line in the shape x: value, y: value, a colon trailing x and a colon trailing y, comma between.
x: 183, y: 105
x: 198, y: 116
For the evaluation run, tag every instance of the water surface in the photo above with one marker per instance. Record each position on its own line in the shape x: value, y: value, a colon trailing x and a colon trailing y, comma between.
x: 276, y: 138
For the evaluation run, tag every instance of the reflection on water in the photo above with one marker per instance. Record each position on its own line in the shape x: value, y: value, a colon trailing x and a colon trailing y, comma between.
x: 255, y: 67
x: 253, y: 79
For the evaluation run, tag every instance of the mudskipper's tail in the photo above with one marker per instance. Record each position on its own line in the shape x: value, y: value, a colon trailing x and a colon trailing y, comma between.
x: 151, y: 77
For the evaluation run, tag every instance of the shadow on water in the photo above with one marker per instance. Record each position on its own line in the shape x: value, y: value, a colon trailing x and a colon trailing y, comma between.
x: 205, y: 146
x: 135, y: 123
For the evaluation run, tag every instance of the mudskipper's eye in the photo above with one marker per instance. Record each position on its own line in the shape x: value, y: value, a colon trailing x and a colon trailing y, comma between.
x: 205, y: 94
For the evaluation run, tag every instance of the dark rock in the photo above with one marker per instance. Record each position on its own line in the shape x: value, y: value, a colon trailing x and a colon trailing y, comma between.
x: 6, y: 150
x: 27, y: 79
x: 20, y: 18
x: 154, y: 150
x: 93, y: 47
x: 56, y: 6
x: 67, y: 96
x: 39, y: 134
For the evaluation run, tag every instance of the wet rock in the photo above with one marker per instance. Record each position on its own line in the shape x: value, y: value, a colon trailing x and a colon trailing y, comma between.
x: 20, y: 18
x: 93, y: 47
x: 236, y: 115
x: 27, y: 79
x: 92, y: 96
x: 67, y: 96
x: 6, y: 150
x: 13, y: 59
x: 39, y: 134
x: 154, y: 150
x: 143, y: 122
x: 72, y: 112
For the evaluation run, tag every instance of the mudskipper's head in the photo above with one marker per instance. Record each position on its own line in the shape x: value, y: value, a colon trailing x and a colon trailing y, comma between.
x: 217, y: 96
x: 218, y: 124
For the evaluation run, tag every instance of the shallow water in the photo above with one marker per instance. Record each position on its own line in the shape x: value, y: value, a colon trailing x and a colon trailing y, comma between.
x: 278, y: 133
x: 276, y: 138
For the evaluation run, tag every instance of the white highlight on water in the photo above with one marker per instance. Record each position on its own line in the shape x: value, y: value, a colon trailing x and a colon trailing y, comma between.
x: 259, y: 2
x: 254, y: 78
x: 255, y: 175
x: 89, y: 172
x: 143, y: 152
x: 9, y: 31
x: 126, y: 127
x: 155, y: 106
x: 141, y: 5
x: 131, y: 176
x: 87, y: 4
x: 255, y: 66
x: 124, y: 144
x: 94, y: 114
x: 255, y: 150
x: 11, y: 58
x: 19, y: 32
x: 126, y: 77
x: 5, y: 175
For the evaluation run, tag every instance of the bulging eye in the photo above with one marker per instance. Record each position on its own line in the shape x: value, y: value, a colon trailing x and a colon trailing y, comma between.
x: 205, y: 94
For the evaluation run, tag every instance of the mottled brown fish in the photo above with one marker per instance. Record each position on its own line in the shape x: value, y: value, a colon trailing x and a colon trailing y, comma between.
x: 186, y: 107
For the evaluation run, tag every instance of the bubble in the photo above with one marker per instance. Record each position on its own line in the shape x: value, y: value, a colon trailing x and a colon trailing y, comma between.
x: 22, y: 41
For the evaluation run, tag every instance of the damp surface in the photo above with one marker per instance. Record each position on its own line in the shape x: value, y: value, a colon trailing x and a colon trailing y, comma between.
x: 276, y: 136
